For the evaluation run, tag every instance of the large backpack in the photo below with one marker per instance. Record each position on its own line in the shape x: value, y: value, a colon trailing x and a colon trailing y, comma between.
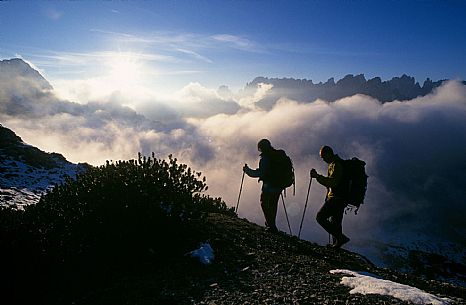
x: 281, y: 171
x: 355, y: 179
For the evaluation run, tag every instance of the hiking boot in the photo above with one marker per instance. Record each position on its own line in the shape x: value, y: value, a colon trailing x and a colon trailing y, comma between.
x: 272, y: 229
x: 341, y: 241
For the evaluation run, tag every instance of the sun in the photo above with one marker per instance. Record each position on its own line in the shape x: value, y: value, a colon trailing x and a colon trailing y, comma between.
x: 124, y: 69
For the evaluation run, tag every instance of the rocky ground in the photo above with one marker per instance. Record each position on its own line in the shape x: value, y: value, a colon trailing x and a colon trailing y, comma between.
x: 252, y: 266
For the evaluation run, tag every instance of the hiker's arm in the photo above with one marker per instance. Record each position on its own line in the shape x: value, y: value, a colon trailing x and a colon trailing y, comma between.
x: 334, y: 176
x: 255, y: 173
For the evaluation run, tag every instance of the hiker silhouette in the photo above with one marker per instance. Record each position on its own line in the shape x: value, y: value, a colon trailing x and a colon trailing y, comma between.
x: 330, y: 215
x: 270, y: 193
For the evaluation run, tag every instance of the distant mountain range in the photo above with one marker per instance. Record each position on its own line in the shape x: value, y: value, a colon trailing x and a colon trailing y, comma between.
x: 398, y: 88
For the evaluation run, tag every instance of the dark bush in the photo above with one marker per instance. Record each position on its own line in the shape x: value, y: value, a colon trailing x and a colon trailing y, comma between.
x: 118, y: 219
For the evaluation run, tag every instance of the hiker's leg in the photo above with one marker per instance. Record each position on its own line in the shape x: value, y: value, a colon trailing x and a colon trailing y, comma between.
x: 323, y: 216
x: 264, y: 207
x: 273, y: 201
x: 338, y: 209
x: 336, y: 220
x: 269, y: 204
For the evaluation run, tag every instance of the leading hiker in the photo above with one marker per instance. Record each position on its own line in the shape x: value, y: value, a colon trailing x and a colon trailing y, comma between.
x: 270, y: 193
x: 330, y: 215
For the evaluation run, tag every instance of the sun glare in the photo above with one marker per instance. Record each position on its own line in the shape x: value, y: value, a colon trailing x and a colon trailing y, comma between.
x: 124, y: 70
x: 127, y: 75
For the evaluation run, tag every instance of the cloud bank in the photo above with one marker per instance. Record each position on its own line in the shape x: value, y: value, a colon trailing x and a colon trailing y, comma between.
x: 415, y: 154
x: 415, y: 150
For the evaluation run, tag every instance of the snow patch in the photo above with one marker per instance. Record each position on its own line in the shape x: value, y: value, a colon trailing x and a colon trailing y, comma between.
x: 22, y: 184
x: 370, y: 284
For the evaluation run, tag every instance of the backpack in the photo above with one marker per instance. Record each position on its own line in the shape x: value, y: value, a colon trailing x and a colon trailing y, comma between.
x: 355, y: 179
x: 281, y: 171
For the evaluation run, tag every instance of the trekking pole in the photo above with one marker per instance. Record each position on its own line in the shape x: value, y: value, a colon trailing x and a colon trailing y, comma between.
x: 286, y: 214
x: 305, y: 206
x: 239, y: 195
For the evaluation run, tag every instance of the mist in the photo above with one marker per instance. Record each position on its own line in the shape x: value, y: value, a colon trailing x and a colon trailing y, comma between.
x: 415, y: 153
x: 415, y: 150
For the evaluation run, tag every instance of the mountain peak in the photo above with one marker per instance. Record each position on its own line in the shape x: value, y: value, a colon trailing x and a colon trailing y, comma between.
x: 17, y: 67
x: 8, y: 137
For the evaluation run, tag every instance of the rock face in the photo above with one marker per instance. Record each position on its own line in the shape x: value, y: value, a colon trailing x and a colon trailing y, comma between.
x: 26, y: 172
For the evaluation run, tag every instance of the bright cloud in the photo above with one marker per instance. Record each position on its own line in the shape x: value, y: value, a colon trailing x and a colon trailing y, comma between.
x: 195, y: 92
x: 249, y: 102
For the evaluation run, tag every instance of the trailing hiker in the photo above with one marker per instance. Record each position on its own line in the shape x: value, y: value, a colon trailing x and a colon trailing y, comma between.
x: 330, y: 215
x: 276, y: 173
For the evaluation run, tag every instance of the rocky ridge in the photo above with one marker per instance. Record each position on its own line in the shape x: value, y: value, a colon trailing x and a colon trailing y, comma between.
x: 252, y: 266
x: 26, y: 172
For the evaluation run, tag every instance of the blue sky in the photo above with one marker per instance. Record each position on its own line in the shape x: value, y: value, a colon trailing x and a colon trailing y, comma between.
x: 165, y: 45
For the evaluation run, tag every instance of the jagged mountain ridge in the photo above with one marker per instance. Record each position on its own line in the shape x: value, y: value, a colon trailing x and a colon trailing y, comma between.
x: 26, y: 172
x: 398, y: 88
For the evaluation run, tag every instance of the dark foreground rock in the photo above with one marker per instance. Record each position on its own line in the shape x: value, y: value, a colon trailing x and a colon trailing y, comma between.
x: 252, y: 266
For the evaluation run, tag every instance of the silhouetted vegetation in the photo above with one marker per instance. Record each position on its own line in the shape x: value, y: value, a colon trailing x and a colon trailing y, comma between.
x: 118, y: 219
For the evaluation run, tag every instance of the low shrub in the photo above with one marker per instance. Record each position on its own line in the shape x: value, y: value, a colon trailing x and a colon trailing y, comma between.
x: 117, y: 219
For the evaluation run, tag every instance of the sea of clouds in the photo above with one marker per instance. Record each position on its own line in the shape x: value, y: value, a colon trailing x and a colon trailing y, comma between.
x: 415, y: 150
